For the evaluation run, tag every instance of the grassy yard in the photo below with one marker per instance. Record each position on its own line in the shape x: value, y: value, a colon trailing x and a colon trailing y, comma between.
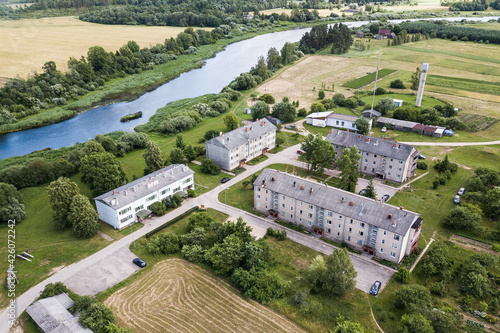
x: 477, y: 156
x: 205, y: 182
x: 322, y: 311
x: 427, y: 102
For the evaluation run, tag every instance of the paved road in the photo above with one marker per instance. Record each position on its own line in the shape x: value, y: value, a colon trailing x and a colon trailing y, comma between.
x: 112, y: 264
x: 454, y: 144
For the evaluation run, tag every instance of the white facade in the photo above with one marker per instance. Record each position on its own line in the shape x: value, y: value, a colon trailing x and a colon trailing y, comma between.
x: 119, y: 207
x: 337, y: 120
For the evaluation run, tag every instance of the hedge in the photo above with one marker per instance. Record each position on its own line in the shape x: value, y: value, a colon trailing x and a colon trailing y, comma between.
x: 172, y: 221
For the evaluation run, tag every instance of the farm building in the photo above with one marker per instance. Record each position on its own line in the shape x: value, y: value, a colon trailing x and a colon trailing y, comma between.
x: 380, y: 158
x: 384, y: 32
x: 337, y: 120
x: 239, y: 146
x: 273, y: 120
x: 51, y: 315
x: 121, y: 206
x: 379, y: 229
x: 410, y: 126
x: 398, y: 102
x: 360, y: 34
x: 371, y: 114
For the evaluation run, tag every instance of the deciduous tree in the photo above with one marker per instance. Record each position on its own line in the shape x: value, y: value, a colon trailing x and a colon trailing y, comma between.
x: 153, y: 158
x: 10, y: 206
x: 102, y: 172
x: 61, y: 193
x: 340, y: 275
x: 225, y: 257
x: 319, y: 153
x: 370, y: 190
x: 348, y: 164
x: 231, y: 121
x: 83, y: 217
x: 259, y: 110
x: 177, y: 156
x: 362, y: 125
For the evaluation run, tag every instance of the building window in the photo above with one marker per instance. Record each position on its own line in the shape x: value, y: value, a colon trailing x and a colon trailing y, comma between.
x: 151, y: 198
x: 309, y: 215
x: 266, y: 199
x: 340, y: 226
x: 367, y: 154
x: 350, y: 229
x: 364, y: 168
x: 283, y: 197
x: 165, y: 191
x: 330, y: 214
x: 351, y: 221
x: 337, y: 122
x: 396, y: 237
x: 388, y: 174
x: 400, y: 162
x: 360, y: 242
x: 399, y: 169
x: 311, y: 206
x: 258, y: 196
x: 187, y: 180
x: 139, y: 208
x: 390, y: 166
x: 366, y: 160
x: 394, y: 245
x: 381, y: 250
x: 301, y: 203
x: 353, y: 125
x: 362, y: 225
x: 300, y: 212
x: 340, y: 217
x: 282, y: 213
x: 398, y: 176
x: 349, y: 238
x: 373, y: 169
x: 342, y: 123
x: 309, y: 223
x: 374, y: 162
x: 258, y: 189
x: 329, y: 222
x: 360, y: 233
x: 258, y: 204
x: 126, y: 218
x: 393, y: 255
x: 374, y: 155
x: 383, y: 241
x: 328, y: 230
x: 124, y: 211
x: 283, y: 205
x: 392, y: 159
x: 291, y: 200
x: 338, y: 233
x: 291, y: 216
x: 385, y: 233
x: 177, y: 189
x: 291, y: 208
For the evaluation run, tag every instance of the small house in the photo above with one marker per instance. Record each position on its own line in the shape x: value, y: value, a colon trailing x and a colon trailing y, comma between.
x: 398, y: 102
x: 360, y: 34
x: 384, y: 32
x: 247, y: 16
x: 318, y: 119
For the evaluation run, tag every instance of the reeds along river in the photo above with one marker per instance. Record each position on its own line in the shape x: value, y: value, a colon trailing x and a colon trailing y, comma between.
x: 211, y: 78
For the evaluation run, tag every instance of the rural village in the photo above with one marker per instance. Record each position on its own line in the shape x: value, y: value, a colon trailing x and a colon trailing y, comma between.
x: 250, y: 166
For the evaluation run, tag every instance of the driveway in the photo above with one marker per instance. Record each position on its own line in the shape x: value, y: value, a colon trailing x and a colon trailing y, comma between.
x: 380, y: 188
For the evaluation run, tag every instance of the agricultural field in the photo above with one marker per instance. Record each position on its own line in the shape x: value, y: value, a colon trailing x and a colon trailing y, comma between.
x: 178, y: 296
x: 27, y: 44
x: 368, y: 78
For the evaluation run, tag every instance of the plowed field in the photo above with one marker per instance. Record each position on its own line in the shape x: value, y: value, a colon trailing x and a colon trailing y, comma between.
x: 177, y: 296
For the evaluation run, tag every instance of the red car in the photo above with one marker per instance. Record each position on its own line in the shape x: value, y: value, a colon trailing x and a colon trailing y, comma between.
x: 300, y: 152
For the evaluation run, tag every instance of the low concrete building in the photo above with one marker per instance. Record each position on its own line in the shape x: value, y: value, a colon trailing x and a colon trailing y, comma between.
x: 51, y: 315
x: 411, y: 126
x: 120, y: 207
x: 239, y: 146
x: 318, y: 119
x: 371, y: 114
x: 379, y: 158
x: 398, y: 102
x: 376, y: 228
x: 337, y: 120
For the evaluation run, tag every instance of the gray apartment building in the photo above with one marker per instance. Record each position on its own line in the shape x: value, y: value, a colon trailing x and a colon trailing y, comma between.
x: 380, y: 229
x: 235, y: 148
x: 379, y: 158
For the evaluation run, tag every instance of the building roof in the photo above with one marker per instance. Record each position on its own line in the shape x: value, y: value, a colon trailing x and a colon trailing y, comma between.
x: 343, y: 117
x: 370, y: 144
x: 241, y: 135
x: 319, y: 115
x: 126, y: 194
x: 397, y: 122
x: 52, y: 316
x: 374, y: 113
x: 364, y: 209
x: 384, y: 32
x: 273, y: 120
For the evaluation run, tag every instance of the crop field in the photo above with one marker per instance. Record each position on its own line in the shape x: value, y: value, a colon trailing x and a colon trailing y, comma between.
x: 368, y: 78
x: 177, y: 296
x: 27, y: 44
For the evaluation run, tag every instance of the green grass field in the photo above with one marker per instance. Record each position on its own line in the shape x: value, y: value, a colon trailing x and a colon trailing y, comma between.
x: 409, y: 100
x: 369, y: 78
x: 481, y: 86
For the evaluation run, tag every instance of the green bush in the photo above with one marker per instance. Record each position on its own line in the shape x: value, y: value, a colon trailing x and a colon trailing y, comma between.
x: 172, y: 221
x: 397, y: 84
x: 191, y: 193
x: 267, y: 98
x: 422, y: 166
x: 53, y: 289
x: 208, y: 166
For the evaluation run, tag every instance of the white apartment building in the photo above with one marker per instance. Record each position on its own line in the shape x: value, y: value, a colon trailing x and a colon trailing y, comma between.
x: 380, y: 229
x: 120, y: 206
x: 337, y: 120
x: 239, y: 146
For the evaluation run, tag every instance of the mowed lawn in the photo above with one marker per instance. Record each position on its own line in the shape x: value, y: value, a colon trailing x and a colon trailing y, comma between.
x: 27, y: 44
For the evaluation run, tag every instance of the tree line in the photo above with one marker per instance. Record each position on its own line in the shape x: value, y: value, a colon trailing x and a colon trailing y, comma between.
x: 21, y: 98
x: 447, y: 31
x: 338, y: 35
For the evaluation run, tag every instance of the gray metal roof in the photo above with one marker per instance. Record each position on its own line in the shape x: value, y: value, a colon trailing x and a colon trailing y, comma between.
x: 371, y: 113
x: 363, y: 209
x: 397, y: 122
x: 342, y: 116
x: 322, y: 114
x: 370, y: 144
x: 126, y: 194
x: 52, y: 316
x: 241, y: 135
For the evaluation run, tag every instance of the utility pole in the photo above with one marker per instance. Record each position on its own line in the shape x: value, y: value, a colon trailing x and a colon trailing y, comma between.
x: 375, y: 86
x: 225, y: 201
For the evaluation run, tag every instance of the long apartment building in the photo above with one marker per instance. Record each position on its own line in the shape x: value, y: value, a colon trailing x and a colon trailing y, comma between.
x: 379, y: 158
x: 235, y: 148
x: 380, y: 229
x: 120, y: 206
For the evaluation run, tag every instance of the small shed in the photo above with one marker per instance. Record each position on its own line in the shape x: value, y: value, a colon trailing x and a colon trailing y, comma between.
x: 247, y: 111
x: 371, y: 114
x: 360, y: 34
x: 398, y: 102
x: 448, y: 132
x: 273, y: 120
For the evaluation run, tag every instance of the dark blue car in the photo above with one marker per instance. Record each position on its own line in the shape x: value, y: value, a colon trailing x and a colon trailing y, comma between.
x: 375, y: 288
x: 139, y: 262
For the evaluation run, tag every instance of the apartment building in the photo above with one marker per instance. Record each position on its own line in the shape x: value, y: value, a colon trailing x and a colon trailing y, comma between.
x: 235, y: 148
x: 379, y: 158
x: 380, y: 229
x: 120, y: 206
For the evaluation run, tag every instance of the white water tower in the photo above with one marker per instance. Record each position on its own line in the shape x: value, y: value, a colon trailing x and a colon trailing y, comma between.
x: 423, y: 76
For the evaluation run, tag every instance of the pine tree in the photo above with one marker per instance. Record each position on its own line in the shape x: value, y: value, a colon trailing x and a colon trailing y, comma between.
x: 370, y: 190
x: 179, y: 141
x: 415, y: 79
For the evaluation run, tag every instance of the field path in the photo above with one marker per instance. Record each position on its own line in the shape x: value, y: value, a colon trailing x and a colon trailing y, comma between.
x: 178, y: 296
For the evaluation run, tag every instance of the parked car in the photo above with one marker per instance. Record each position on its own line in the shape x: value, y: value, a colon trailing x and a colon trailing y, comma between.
x: 386, y: 197
x: 300, y: 152
x: 384, y: 129
x: 375, y: 288
x: 139, y: 262
x: 363, y: 192
x: 225, y: 180
x: 456, y: 199
x: 461, y: 191
x: 420, y: 156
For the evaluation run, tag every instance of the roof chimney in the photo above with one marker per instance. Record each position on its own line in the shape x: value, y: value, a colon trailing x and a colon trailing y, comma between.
x: 262, y: 123
x: 246, y: 129
x: 401, y: 207
x: 114, y: 192
x: 394, y: 223
x: 343, y: 199
x: 367, y: 140
x: 302, y: 187
x: 351, y: 203
x: 311, y: 191
x: 394, y: 145
x: 272, y: 179
x: 390, y: 216
x: 294, y: 184
x: 227, y: 138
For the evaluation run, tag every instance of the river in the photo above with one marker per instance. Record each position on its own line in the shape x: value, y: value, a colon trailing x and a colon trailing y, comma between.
x: 211, y: 78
